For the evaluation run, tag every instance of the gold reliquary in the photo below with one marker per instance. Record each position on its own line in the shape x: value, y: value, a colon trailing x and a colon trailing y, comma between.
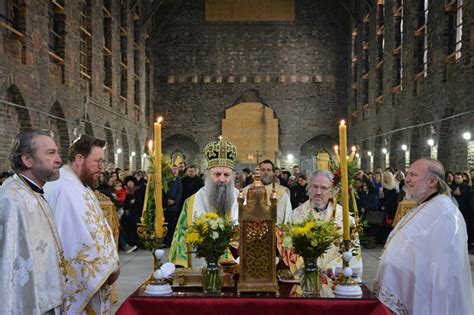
x: 257, y: 218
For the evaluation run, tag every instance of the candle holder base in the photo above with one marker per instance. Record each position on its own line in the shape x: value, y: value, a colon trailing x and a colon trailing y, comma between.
x: 348, y: 290
x: 151, y: 242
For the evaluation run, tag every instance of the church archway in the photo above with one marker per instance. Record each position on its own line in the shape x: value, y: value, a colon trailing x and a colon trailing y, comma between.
x: 110, y: 143
x: 23, y: 115
x: 59, y: 127
x: 125, y: 150
x: 419, y: 147
x: 255, y: 137
x: 309, y: 150
x: 183, y: 147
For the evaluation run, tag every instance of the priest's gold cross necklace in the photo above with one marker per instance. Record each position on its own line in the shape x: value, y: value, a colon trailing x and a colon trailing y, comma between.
x: 61, y: 260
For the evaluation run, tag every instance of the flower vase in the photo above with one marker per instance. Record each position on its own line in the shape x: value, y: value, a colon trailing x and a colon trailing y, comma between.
x: 211, y: 277
x: 310, y: 280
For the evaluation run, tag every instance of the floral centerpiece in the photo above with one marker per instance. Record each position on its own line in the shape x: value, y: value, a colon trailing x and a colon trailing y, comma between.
x: 210, y: 236
x: 310, y: 239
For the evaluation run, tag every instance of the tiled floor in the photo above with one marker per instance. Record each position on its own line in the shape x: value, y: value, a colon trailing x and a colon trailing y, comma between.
x: 136, y: 267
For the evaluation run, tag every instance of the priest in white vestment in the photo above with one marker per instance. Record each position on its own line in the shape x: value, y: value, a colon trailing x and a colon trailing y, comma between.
x: 88, y: 241
x: 31, y: 277
x: 424, y: 268
x: 320, y: 205
x: 284, y: 209
x: 218, y: 195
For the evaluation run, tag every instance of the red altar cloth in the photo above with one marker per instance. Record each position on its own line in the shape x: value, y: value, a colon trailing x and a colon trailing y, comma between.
x: 249, y: 306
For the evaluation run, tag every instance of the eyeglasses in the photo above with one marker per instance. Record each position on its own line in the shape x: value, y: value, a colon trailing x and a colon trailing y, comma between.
x: 100, y: 163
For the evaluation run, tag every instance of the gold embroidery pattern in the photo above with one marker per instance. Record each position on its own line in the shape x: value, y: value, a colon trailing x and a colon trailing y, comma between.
x: 90, y: 259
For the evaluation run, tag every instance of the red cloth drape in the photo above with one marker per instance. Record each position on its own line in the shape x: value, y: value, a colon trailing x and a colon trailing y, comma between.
x: 249, y: 306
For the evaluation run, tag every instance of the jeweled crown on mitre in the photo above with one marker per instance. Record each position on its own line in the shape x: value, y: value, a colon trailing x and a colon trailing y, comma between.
x: 220, y: 153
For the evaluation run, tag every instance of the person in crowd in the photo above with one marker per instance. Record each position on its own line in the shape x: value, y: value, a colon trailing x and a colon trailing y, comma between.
x: 377, y: 182
x: 400, y: 181
x: 248, y: 175
x: 182, y: 166
x: 432, y: 234
x: 191, y: 184
x: 368, y: 197
x: 291, y: 181
x: 281, y: 180
x: 390, y: 195
x: 466, y: 178
x: 120, y: 192
x: 172, y: 201
x: 132, y: 211
x: 462, y: 193
x: 299, y: 192
x: 32, y: 270
x: 449, y: 178
x: 217, y: 196
x: 89, y: 246
x: 296, y: 170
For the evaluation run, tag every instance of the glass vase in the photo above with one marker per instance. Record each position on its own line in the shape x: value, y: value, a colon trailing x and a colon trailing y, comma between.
x: 211, y: 277
x: 310, y: 280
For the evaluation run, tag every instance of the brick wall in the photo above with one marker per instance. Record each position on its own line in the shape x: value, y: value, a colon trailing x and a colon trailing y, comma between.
x: 297, y: 68
x: 446, y: 91
x: 56, y: 96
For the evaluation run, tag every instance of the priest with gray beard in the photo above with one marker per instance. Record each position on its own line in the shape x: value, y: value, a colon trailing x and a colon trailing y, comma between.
x: 218, y: 196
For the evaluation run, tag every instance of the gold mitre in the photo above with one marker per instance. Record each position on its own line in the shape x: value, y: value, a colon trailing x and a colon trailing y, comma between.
x: 220, y: 153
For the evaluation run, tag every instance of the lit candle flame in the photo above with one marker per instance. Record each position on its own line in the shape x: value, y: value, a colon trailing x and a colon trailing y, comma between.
x: 343, y: 122
x: 159, y: 120
x: 353, y: 148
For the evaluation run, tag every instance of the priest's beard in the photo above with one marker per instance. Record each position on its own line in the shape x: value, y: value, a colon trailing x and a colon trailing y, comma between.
x: 267, y: 179
x: 89, y: 178
x: 46, y: 174
x: 418, y: 195
x: 220, y: 196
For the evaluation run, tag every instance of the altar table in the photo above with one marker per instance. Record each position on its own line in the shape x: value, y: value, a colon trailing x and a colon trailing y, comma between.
x: 197, y: 303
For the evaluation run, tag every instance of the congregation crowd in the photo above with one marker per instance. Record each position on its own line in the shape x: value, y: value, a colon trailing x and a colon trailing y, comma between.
x: 379, y: 194
x: 59, y: 250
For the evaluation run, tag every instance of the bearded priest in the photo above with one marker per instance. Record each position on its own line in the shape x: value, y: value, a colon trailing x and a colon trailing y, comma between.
x: 89, y: 246
x: 218, y: 196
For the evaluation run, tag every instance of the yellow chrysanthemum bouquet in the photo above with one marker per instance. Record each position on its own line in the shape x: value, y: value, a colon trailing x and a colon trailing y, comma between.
x: 310, y: 239
x: 210, y: 236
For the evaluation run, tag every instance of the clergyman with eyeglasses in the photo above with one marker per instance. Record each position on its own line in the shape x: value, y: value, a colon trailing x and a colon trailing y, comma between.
x: 320, y: 205
x: 89, y: 247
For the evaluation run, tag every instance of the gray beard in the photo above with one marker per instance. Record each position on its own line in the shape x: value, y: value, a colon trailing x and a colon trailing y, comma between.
x: 220, y: 196
x: 267, y: 179
x: 418, y: 195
